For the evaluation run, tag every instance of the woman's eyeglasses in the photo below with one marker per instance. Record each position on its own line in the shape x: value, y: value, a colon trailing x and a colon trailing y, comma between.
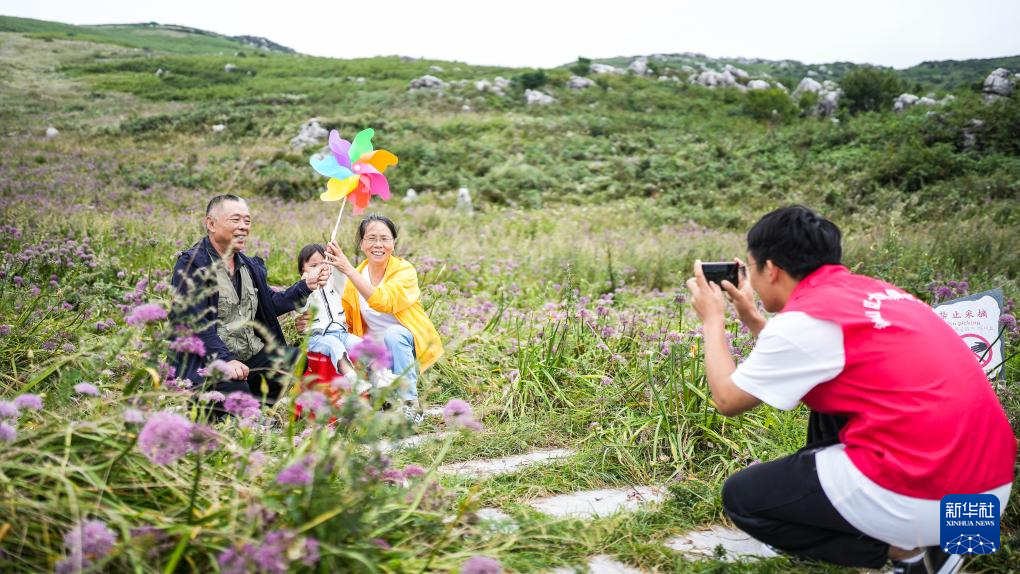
x: 372, y: 240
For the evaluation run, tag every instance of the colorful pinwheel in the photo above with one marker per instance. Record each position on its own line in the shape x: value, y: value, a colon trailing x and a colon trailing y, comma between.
x: 354, y: 170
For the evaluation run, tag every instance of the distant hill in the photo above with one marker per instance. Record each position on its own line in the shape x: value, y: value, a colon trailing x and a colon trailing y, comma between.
x: 944, y: 75
x: 147, y: 36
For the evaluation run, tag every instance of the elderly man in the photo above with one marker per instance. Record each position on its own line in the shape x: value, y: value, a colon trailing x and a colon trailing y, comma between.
x: 902, y: 414
x: 223, y: 296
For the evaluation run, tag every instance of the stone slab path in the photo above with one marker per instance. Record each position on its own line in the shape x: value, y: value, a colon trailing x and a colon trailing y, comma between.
x: 506, y: 465
x: 599, y: 503
x: 601, y: 564
x: 736, y: 543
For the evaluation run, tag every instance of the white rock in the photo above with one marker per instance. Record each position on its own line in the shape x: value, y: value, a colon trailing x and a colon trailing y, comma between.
x: 483, y: 85
x: 579, y: 83
x: 160, y: 73
x: 904, y: 101
x: 465, y: 108
x: 807, y: 85
x: 926, y: 101
x: 501, y: 82
x: 436, y: 69
x: 599, y: 503
x: 640, y: 67
x: 427, y: 82
x: 219, y: 128
x: 998, y: 84
x: 413, y: 441
x: 537, y: 98
x: 601, y: 564
x: 828, y: 103
x: 359, y: 80
x: 311, y: 133
x: 607, y: 69
x: 736, y: 72
x: 713, y: 79
x: 736, y: 543
x: 812, y: 73
x: 229, y: 68
x: 506, y: 465
x: 758, y: 85
x: 410, y: 196
x: 464, y: 199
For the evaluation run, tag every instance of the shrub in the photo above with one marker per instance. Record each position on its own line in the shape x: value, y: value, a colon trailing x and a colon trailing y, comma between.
x: 772, y: 104
x: 582, y: 67
x: 532, y: 80
x: 870, y: 89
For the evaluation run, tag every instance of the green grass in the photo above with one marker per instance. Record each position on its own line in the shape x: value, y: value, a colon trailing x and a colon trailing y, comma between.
x: 611, y: 191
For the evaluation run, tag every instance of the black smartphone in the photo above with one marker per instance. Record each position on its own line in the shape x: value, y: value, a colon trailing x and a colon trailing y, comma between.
x: 717, y: 271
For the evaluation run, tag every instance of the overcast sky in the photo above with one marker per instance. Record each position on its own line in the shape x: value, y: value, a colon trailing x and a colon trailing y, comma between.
x: 546, y: 33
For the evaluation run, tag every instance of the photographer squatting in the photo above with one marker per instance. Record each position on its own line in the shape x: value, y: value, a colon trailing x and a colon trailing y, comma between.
x: 897, y: 402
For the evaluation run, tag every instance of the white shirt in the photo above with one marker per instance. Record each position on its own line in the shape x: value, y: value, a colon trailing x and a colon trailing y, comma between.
x: 376, y: 322
x: 796, y: 352
x: 327, y: 306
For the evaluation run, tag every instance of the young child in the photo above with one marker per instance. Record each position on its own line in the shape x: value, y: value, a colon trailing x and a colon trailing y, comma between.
x: 328, y: 324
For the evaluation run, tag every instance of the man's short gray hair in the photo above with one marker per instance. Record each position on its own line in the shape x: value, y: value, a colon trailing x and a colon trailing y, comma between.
x: 216, y: 201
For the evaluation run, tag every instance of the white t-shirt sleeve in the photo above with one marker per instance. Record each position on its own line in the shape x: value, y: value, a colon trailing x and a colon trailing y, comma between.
x: 794, y: 353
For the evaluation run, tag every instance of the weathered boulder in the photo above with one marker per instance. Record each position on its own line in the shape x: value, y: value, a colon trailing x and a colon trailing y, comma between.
x: 758, y: 85
x: 219, y: 128
x: 607, y: 69
x: 640, y: 67
x: 579, y: 83
x: 997, y: 85
x: 52, y: 132
x: 736, y: 72
x: 904, y: 101
x: 426, y: 82
x: 537, y: 98
x: 311, y: 133
x: 228, y: 68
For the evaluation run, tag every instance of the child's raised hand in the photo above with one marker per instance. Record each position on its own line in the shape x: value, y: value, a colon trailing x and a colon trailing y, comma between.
x: 335, y: 257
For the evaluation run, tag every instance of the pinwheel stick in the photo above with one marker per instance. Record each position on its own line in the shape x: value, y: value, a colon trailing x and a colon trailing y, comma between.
x: 337, y: 226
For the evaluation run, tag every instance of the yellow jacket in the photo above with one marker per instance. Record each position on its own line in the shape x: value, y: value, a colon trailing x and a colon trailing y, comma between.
x: 398, y: 295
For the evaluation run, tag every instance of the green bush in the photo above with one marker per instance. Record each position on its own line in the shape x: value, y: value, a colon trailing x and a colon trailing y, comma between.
x: 870, y: 89
x: 772, y: 104
x: 582, y: 67
x: 532, y: 80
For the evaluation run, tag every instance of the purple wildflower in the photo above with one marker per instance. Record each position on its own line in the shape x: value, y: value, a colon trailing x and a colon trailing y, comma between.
x: 313, y: 401
x: 5, y: 329
x: 241, y: 404
x: 373, y: 352
x: 191, y: 345
x: 7, y: 432
x: 133, y: 416
x: 165, y: 437
x: 311, y: 552
x: 236, y: 560
x: 481, y: 565
x: 256, y: 460
x: 202, y: 439
x: 67, y: 347
x: 297, y: 474
x: 393, y: 476
x: 379, y: 542
x: 8, y: 410
x: 458, y: 413
x: 212, y: 397
x: 87, y: 542
x: 29, y: 402
x: 146, y: 313
x: 271, y: 556
x: 86, y: 389
x: 413, y: 470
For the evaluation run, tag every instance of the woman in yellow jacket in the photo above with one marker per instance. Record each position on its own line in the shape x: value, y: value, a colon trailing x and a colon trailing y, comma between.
x: 382, y: 300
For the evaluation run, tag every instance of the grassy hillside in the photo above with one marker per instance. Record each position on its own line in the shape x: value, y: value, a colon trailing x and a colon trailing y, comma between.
x: 149, y: 37
x: 935, y: 76
x: 559, y: 297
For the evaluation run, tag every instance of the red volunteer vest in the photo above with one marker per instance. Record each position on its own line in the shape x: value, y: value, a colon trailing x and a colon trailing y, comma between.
x: 923, y: 420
